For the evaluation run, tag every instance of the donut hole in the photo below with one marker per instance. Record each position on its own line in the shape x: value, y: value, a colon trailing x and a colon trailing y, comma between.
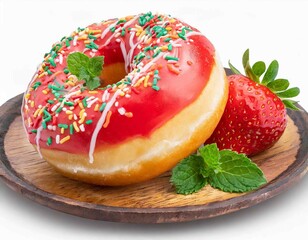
x: 112, y: 73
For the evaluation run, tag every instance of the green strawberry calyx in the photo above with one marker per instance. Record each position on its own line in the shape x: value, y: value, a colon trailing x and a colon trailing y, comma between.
x: 267, y: 77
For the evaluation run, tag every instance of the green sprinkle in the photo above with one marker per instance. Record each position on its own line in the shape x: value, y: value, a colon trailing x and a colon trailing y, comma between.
x: 59, y: 110
x: 171, y: 58
x: 53, y: 87
x: 36, y: 85
x: 169, y: 47
x: 112, y: 29
x: 167, y: 39
x: 156, y: 88
x: 102, y: 107
x: 51, y: 101
x: 71, y: 129
x: 156, y: 53
x: 156, y: 71
x: 34, y: 130
x: 52, y: 62
x: 66, y: 71
x: 69, y: 103
x: 61, y: 125
x: 148, y: 48
x: 89, y: 121
x: 92, y: 45
x: 84, y: 102
x: 49, y: 141
x: 44, y: 124
x: 49, y: 72
x: 155, y: 81
x: 182, y: 35
x: 121, y: 21
x: 90, y: 36
x: 123, y: 32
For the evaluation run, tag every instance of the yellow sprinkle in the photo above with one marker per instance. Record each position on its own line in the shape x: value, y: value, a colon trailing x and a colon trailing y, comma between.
x: 42, y: 74
x: 172, y: 20
x: 168, y: 28
x: 36, y: 113
x: 76, y: 127
x: 122, y: 94
x: 27, y: 96
x: 45, y: 91
x: 139, y: 82
x: 82, y: 119
x: 62, y: 130
x: 41, y: 111
x: 65, y: 139
x: 95, y: 31
x: 93, y: 92
x: 145, y: 83
x: 81, y: 113
x: 164, y: 48
x: 84, y: 37
x: 87, y: 41
x: 98, y: 35
x: 81, y: 105
x: 70, y: 83
x: 70, y: 117
x: 68, y: 112
x: 32, y: 104
x: 96, y: 107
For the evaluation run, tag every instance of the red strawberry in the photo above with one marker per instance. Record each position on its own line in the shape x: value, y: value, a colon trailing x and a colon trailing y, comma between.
x: 255, y: 114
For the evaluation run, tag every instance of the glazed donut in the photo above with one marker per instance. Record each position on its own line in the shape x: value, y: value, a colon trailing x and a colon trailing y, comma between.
x: 163, y: 91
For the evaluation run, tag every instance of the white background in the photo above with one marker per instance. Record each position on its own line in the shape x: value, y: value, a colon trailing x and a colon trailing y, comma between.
x: 271, y: 29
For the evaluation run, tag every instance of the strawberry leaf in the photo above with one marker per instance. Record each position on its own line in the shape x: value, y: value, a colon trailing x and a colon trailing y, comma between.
x: 233, y: 69
x: 270, y: 73
x: 290, y: 93
x: 248, y: 70
x: 259, y: 68
x: 278, y: 85
x: 290, y: 104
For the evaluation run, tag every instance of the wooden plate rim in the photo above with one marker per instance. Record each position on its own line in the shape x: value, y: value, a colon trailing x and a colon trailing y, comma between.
x: 11, y: 109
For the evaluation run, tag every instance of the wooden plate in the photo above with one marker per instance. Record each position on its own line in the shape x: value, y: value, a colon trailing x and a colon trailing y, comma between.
x: 150, y: 202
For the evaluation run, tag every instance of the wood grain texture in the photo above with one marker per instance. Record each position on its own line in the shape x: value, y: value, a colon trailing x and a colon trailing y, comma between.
x: 153, y: 201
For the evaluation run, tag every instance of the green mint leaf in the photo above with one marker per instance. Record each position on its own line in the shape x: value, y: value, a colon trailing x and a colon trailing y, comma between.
x: 278, y: 85
x: 259, y: 68
x: 270, y: 73
x: 237, y: 173
x: 76, y: 61
x: 86, y: 68
x: 83, y: 74
x: 291, y: 92
x: 187, y: 177
x: 93, y: 83
x: 290, y: 104
x: 95, y: 66
x: 233, y: 69
x: 210, y: 155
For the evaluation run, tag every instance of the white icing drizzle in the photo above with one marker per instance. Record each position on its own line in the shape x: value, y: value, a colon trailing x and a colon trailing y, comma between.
x: 99, y: 125
x: 37, y: 140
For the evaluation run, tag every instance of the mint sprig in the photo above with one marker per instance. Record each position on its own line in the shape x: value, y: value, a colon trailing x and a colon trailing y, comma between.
x: 277, y: 86
x: 224, y: 170
x: 86, y: 68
